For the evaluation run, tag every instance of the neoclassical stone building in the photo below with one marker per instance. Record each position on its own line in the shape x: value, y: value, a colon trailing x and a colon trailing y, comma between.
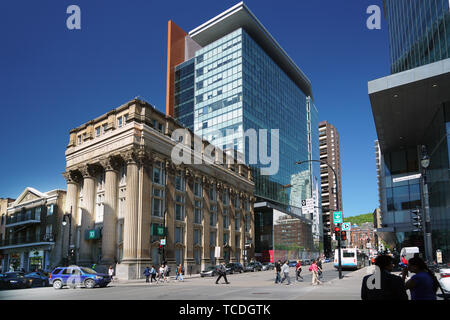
x: 123, y: 187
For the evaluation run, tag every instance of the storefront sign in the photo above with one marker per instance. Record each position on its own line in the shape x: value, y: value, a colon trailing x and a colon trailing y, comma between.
x: 406, y: 178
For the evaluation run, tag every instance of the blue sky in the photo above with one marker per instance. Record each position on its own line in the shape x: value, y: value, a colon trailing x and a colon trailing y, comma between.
x: 53, y: 79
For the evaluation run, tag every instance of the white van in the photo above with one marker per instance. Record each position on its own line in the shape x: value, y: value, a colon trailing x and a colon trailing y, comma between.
x: 408, y: 252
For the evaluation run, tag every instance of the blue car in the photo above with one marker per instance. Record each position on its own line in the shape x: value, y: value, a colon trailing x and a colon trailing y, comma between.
x: 74, y: 276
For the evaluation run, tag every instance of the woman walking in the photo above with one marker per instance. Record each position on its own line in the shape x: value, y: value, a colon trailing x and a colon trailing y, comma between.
x: 423, y: 285
x: 161, y: 273
x: 315, y: 273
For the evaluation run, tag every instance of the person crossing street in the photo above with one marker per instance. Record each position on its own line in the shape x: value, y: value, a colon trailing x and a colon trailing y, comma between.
x: 285, y: 271
x: 298, y: 271
x: 222, y: 273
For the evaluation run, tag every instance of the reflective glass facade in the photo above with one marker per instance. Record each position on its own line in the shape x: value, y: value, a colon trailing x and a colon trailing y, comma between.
x: 184, y: 94
x: 239, y: 87
x: 419, y: 32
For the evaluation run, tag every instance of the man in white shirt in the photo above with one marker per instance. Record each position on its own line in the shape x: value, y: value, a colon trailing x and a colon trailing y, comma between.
x: 285, y: 272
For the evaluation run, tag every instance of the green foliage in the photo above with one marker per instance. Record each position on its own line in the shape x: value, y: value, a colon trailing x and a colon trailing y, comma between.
x: 362, y: 218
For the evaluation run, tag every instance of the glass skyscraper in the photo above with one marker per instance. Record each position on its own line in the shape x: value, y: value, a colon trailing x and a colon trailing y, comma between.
x: 419, y: 32
x: 411, y: 112
x: 243, y: 82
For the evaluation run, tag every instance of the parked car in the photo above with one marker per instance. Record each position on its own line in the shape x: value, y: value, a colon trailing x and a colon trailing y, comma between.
x: 13, y: 280
x: 326, y: 260
x: 444, y: 279
x: 75, y: 275
x: 37, y: 279
x: 292, y: 263
x: 211, y: 271
x: 235, y: 267
x: 268, y: 266
x: 306, y: 262
x: 253, y: 266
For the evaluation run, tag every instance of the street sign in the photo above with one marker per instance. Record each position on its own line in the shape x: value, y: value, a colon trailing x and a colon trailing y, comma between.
x: 346, y: 226
x: 308, y: 205
x: 337, y: 217
x: 163, y: 242
x: 217, y: 252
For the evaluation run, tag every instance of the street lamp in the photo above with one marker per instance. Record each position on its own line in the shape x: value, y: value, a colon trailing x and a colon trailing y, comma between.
x: 337, y: 206
x: 64, y: 223
x: 425, y: 163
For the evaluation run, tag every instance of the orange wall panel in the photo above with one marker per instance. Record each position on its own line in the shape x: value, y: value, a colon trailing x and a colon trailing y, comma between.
x: 175, y: 56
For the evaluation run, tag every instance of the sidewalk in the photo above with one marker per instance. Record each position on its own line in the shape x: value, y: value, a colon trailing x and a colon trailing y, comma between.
x: 119, y: 282
x: 347, y: 288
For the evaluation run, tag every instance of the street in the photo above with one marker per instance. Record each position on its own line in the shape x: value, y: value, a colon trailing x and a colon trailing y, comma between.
x: 245, y: 286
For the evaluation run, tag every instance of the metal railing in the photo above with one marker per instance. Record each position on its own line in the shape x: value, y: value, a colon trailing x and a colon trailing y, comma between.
x: 49, y: 237
x: 22, y: 217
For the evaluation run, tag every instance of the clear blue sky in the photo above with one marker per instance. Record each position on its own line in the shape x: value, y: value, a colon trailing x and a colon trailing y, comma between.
x: 53, y: 79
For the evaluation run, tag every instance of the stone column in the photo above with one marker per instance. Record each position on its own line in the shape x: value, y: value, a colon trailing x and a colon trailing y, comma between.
x: 189, y: 232
x: 205, y: 214
x: 170, y: 214
x: 111, y: 166
x: 220, y: 199
x: 232, y: 213
x: 87, y: 213
x: 73, y: 190
x: 144, y: 212
x: 128, y: 268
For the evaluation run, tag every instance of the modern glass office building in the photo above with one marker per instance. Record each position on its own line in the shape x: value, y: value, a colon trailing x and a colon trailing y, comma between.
x: 419, y: 32
x: 244, y: 82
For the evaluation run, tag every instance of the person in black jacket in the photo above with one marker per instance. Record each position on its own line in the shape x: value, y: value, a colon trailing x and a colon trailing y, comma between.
x: 278, y: 270
x: 222, y: 273
x: 382, y: 285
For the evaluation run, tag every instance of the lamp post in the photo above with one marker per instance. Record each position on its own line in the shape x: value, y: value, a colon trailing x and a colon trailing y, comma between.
x: 64, y: 223
x: 337, y: 207
x: 425, y: 163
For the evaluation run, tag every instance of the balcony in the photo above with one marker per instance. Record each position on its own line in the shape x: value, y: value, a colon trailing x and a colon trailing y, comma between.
x: 23, y: 218
x: 27, y: 241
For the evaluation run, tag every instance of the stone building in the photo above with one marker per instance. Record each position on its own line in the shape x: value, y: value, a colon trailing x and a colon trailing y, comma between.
x: 123, y: 188
x: 363, y: 236
x: 33, y: 238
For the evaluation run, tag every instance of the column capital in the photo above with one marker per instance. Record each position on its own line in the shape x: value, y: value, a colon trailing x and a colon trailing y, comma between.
x: 88, y: 170
x: 111, y: 163
x: 170, y: 167
x: 72, y: 176
x: 130, y: 156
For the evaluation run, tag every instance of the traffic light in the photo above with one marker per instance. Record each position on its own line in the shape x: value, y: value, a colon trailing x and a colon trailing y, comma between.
x: 337, y: 232
x: 343, y: 235
x: 417, y: 220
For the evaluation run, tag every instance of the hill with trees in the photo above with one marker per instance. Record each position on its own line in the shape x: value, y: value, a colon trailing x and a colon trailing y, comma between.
x: 360, y: 219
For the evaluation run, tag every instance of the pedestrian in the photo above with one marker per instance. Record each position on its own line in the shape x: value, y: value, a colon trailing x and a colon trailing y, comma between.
x: 161, y: 273
x: 285, y: 271
x: 147, y: 274
x: 298, y: 271
x: 11, y: 268
x: 319, y: 269
x: 166, y: 272
x: 222, y: 270
x: 315, y: 273
x: 153, y: 274
x: 111, y: 272
x: 403, y: 262
x: 179, y: 272
x: 278, y: 271
x: 382, y: 285
x: 423, y: 285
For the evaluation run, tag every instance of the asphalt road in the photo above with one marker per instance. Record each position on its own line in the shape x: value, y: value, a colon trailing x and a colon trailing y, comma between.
x: 245, y: 286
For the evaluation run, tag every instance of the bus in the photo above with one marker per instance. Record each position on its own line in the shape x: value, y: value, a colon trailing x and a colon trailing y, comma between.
x: 351, y: 258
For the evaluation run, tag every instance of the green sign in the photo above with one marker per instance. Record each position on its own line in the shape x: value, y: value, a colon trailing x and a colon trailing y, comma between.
x: 337, y: 217
x: 93, y: 234
x: 157, y: 230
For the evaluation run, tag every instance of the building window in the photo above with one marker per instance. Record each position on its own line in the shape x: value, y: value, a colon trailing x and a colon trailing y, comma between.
x: 79, y: 139
x: 198, y: 211
x: 179, y: 207
x: 212, y: 239
x: 125, y: 118
x: 180, y: 182
x: 179, y: 235
x: 158, y: 173
x: 158, y: 125
x: 122, y: 202
x: 236, y: 203
x: 97, y: 132
x: 119, y: 122
x: 198, y: 189
x: 226, y: 239
x: 237, y: 241
x: 157, y: 202
x: 212, y: 193
x: 99, y: 209
x: 226, y: 198
x: 49, y: 210
x: 237, y: 222
x: 197, y: 236
x: 247, y: 223
x: 197, y: 255
x: 104, y: 127
x: 212, y: 219
x: 226, y: 219
x: 179, y: 255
